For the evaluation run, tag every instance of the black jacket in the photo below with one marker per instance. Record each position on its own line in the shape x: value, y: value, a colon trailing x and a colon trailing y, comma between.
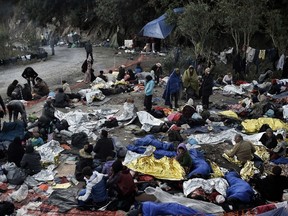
x: 207, y: 85
x: 104, y: 148
x: 31, y: 162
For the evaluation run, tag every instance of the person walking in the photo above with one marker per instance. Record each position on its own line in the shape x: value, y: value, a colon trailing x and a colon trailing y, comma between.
x: 52, y: 44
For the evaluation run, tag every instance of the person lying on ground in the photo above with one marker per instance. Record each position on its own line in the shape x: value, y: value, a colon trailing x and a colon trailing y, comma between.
x: 94, y: 195
x: 244, y: 150
x: 31, y: 161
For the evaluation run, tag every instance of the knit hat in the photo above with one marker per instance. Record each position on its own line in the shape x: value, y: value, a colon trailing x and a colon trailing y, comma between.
x: 117, y: 166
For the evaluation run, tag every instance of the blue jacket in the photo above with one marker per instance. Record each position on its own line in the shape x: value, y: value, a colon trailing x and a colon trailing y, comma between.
x: 149, y: 87
x: 173, y: 86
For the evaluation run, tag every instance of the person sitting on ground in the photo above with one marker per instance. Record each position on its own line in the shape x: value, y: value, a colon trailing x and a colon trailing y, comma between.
x: 95, y: 194
x: 130, y: 76
x: 269, y: 139
x: 228, y: 79
x: 280, y: 149
x: 36, y: 140
x: 102, y: 76
x: 15, y: 107
x: 121, y: 73
x: 26, y: 93
x: 271, y: 187
x: 107, y: 165
x: 68, y: 92
x: 120, y: 186
x: 110, y: 76
x: 11, y: 88
x: 17, y: 93
x: 61, y: 99
x: 244, y: 150
x: 30, y: 75
x: 31, y: 161
x: 41, y: 88
x: 184, y: 158
x: 85, y: 159
x: 15, y: 151
x: 138, y: 68
x: 104, y: 147
x: 2, y: 110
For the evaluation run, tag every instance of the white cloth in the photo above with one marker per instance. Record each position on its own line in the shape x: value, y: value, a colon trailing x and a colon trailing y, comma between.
x: 280, y: 63
x: 148, y: 121
x: 250, y: 54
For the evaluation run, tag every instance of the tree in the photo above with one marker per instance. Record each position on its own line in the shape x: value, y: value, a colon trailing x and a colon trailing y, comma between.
x: 276, y: 28
x: 4, y: 39
x: 197, y: 23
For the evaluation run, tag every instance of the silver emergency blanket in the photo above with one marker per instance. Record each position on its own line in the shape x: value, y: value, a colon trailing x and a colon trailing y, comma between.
x: 79, y: 122
x: 198, y: 205
x: 45, y: 174
x: 49, y: 151
x: 101, y: 113
x: 129, y: 111
x: 233, y: 89
x: 215, y: 138
x: 148, y: 121
x: 219, y: 184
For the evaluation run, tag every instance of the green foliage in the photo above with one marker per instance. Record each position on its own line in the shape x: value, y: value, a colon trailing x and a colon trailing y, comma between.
x: 197, y: 23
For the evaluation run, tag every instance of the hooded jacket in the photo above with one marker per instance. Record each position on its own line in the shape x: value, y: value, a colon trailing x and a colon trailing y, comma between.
x: 184, y: 159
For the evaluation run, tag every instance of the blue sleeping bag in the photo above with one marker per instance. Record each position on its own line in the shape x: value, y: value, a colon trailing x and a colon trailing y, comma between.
x: 155, y: 209
x: 10, y: 130
x: 157, y: 153
x: 201, y: 167
x: 238, y: 188
x: 281, y: 160
x: 151, y: 140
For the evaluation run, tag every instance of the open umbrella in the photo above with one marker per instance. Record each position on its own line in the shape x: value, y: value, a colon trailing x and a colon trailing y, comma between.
x: 159, y: 28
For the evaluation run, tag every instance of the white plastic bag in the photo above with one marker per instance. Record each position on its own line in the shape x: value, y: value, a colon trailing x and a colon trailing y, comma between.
x: 20, y: 194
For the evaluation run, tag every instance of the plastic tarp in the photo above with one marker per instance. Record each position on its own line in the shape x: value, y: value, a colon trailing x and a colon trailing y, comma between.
x: 128, y: 112
x: 233, y: 89
x: 159, y: 28
x: 164, y: 168
x: 219, y: 184
x: 201, y: 167
x: 215, y: 138
x: 276, y: 212
x: 238, y: 188
x: 92, y: 94
x: 197, y: 205
x: 253, y: 125
x: 148, y: 121
x: 79, y: 122
x: 155, y: 209
x: 49, y: 151
x: 10, y: 130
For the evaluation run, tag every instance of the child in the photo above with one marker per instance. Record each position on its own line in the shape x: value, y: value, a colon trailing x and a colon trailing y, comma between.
x: 184, y: 158
x: 149, y: 87
x: 36, y: 140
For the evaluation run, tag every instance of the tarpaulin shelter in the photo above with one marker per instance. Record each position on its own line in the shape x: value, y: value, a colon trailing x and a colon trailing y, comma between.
x: 159, y: 28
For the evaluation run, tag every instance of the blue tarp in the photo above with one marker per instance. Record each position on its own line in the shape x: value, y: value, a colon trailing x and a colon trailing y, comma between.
x: 238, y: 188
x: 276, y: 212
x: 201, y: 167
x: 281, y: 160
x: 11, y: 130
x: 155, y: 209
x: 159, y: 28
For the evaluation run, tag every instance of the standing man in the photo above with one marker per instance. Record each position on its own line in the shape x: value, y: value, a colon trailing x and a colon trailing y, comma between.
x: 52, y: 44
x: 30, y: 75
x: 190, y: 82
x: 89, y: 50
x: 206, y: 87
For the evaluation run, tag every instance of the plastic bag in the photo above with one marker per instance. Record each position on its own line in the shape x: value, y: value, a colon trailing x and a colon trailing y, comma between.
x: 20, y: 194
x: 16, y: 176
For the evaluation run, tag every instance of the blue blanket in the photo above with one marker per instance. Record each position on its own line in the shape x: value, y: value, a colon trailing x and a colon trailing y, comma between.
x: 281, y: 160
x: 157, y: 153
x: 155, y: 209
x: 238, y: 188
x: 201, y: 167
x: 11, y: 130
